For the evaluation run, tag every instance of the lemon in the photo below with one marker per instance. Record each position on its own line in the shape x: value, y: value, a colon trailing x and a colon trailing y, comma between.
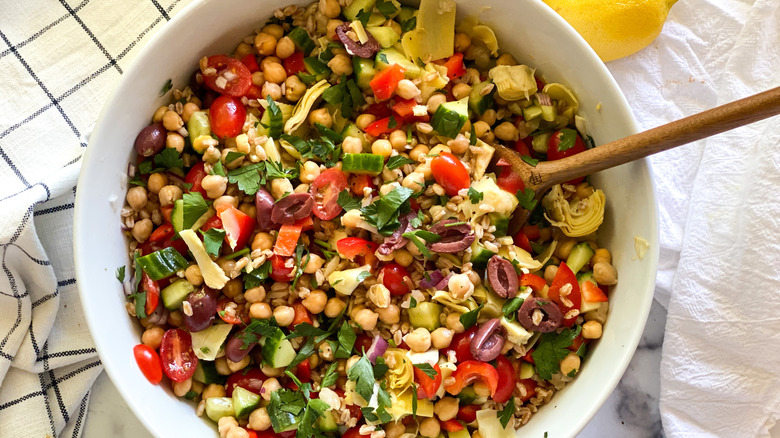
x: 615, y: 28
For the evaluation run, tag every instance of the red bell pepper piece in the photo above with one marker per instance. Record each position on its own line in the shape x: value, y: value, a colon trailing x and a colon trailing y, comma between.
x: 357, y: 249
x: 451, y: 425
x: 522, y: 241
x: 532, y: 231
x: 303, y: 371
x: 163, y: 232
x: 301, y: 314
x: 382, y: 126
x: 428, y: 385
x: 386, y: 81
x: 535, y: 282
x: 471, y: 370
x: 166, y: 212
x: 563, y: 277
x: 530, y: 386
x: 455, y: 66
x: 378, y: 109
x: 592, y: 293
x: 510, y: 180
x: 287, y: 240
x: 404, y: 108
x: 528, y: 357
x: 294, y: 63
x: 238, y: 226
x: 152, y: 289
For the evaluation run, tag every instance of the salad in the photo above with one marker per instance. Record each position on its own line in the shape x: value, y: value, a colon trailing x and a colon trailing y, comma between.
x: 323, y: 243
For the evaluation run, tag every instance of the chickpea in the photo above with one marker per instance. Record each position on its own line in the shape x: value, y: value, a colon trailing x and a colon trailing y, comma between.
x: 460, y: 286
x: 330, y: 8
x: 341, y: 64
x: 280, y: 187
x: 446, y: 408
x: 142, y: 230
x: 294, y: 89
x: 459, y: 145
x: 363, y: 120
x: 591, y: 330
x: 224, y: 201
x: 222, y: 367
x: 331, y: 28
x: 506, y: 59
x: 419, y: 152
x: 315, y: 302
x: 285, y: 47
x: 265, y: 44
x: 601, y: 255
x: 269, y: 387
x: 481, y: 128
x: 352, y: 145
x: 182, y: 388
x: 461, y: 90
x: 152, y: 337
x: 394, y: 430
x: 321, y: 116
x: 506, y: 131
x: 382, y: 147
x: 436, y: 150
x: 237, y: 432
x: 188, y: 110
x: 549, y: 273
x: 407, y: 90
x: 351, y: 361
x: 259, y: 419
x: 226, y: 424
x: 430, y: 428
x: 309, y: 172
x: 172, y: 121
x: 243, y: 49
x: 334, y: 307
x: 434, y: 101
x: 315, y: 262
x: 418, y: 340
x: 351, y: 219
x: 193, y: 275
x: 159, y: 113
x: 169, y: 194
x: 462, y: 42
x: 398, y: 140
x: 136, y: 197
x: 390, y: 314
x: 274, y: 73
x: 272, y: 90
x: 255, y: 294
x: 453, y: 323
x: 414, y: 181
x: 273, y: 29
x: 174, y: 140
x: 260, y: 311
x: 213, y: 390
x: 284, y: 315
x: 233, y: 288
x: 262, y: 241
x: 604, y: 274
x: 570, y: 364
x: 214, y: 185
x: 366, y: 318
x: 403, y: 257
x: 156, y: 182
x: 176, y: 318
x: 441, y: 338
x: 489, y: 117
x: 238, y: 366
x: 564, y: 247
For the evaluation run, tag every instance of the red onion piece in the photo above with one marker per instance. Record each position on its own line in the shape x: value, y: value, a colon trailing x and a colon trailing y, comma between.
x: 435, y: 277
x: 378, y: 348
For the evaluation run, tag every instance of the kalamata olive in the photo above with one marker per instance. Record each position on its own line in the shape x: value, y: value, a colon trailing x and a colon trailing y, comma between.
x: 488, y: 341
x: 356, y: 48
x: 502, y: 277
x: 264, y: 203
x: 233, y: 350
x: 397, y: 240
x: 454, y: 238
x: 203, y: 303
x: 151, y: 139
x: 292, y: 208
x: 551, y: 315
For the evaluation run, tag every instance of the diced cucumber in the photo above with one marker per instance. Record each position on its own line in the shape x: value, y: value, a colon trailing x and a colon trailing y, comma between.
x: 351, y: 130
x: 406, y: 13
x: 162, y: 264
x: 426, y: 315
x: 463, y: 433
x: 364, y: 71
x: 302, y: 40
x: 467, y: 395
x: 368, y: 164
x: 177, y: 215
x: 548, y: 113
x: 579, y: 256
x: 356, y: 6
x: 385, y: 36
x: 327, y: 422
x: 207, y: 342
x: 376, y: 19
x: 531, y: 112
x: 450, y: 117
x: 587, y: 306
x: 317, y: 69
x: 388, y: 57
x: 206, y: 373
x: 501, y: 223
x: 277, y: 350
x: 218, y: 407
x: 175, y: 293
x: 540, y: 142
x: 480, y: 255
x: 244, y: 401
x: 526, y: 370
x: 198, y: 126
x: 479, y: 102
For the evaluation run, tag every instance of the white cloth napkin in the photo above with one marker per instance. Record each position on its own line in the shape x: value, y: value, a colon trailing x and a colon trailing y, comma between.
x: 59, y: 61
x: 720, y: 217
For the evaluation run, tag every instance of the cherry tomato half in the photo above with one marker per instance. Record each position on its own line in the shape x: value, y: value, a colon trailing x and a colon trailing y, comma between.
x: 227, y: 116
x: 461, y: 345
x: 393, y: 276
x: 279, y: 270
x: 240, y: 316
x: 510, y: 180
x: 565, y: 143
x: 506, y: 379
x: 358, y: 250
x: 250, y: 379
x: 468, y: 413
x: 149, y: 363
x: 227, y: 67
x: 358, y: 183
x: 178, y: 359
x: 195, y: 177
x: 450, y: 173
x: 325, y: 189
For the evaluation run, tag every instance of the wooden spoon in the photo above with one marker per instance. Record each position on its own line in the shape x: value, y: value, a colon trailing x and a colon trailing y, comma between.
x: 546, y: 174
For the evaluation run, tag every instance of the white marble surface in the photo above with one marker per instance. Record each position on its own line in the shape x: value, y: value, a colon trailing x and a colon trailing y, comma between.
x: 631, y: 411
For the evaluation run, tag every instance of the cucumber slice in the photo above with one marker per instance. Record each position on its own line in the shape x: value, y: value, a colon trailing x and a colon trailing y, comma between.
x: 351, y: 130
x: 302, y: 40
x: 388, y: 57
x: 206, y: 373
x: 467, y: 395
x: 218, y: 407
x: 316, y: 68
x: 539, y: 142
x: 177, y: 215
x: 206, y: 343
x: 480, y: 255
x: 162, y: 264
x: 579, y: 256
x: 405, y: 13
x: 327, y: 422
x: 425, y: 315
x: 587, y: 306
x: 368, y: 164
x: 526, y: 370
x: 501, y: 223
x: 356, y: 6
x: 277, y: 350
x: 197, y: 126
x: 244, y: 401
x: 175, y: 293
x: 478, y: 102
x: 364, y: 71
x: 531, y: 112
x: 385, y: 36
x: 450, y: 117
x: 274, y: 126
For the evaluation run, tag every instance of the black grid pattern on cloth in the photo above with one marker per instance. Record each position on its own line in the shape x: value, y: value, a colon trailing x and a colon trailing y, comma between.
x: 49, y: 392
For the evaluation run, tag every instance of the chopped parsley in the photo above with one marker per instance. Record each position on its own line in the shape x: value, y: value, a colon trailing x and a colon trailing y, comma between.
x: 257, y: 276
x: 510, y: 308
x: 212, y: 240
x: 469, y: 318
x: 408, y: 25
x: 527, y: 199
x: 551, y: 349
x: 193, y: 207
x: 363, y: 16
x: 505, y: 415
x: 218, y: 169
x: 567, y: 137
x: 257, y: 329
x: 169, y: 158
x: 120, y: 274
x: 249, y: 178
x: 347, y: 202
x: 320, y: 149
x: 384, y: 212
x: 475, y: 196
x: 386, y: 8
x: 473, y: 136
x: 397, y: 161
x: 346, y: 95
x: 532, y: 161
x: 427, y: 369
x: 166, y: 87
x: 231, y: 156
x: 331, y: 375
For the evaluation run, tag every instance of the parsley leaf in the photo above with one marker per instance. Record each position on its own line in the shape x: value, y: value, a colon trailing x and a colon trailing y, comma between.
x: 381, y: 368
x: 193, y: 207
x: 363, y: 16
x: 408, y: 25
x: 386, y: 8
x: 328, y: 133
x: 233, y: 156
x: 363, y: 375
x: 412, y: 302
x: 397, y: 161
x: 330, y: 376
x: 532, y: 161
x: 212, y: 240
x: 167, y: 86
x: 347, y: 202
x: 469, y: 318
x: 248, y: 178
x: 320, y: 149
x: 526, y: 199
x: 314, y: 409
x: 567, y: 137
x: 383, y: 58
x: 427, y: 369
x: 140, y: 304
x: 120, y: 274
x: 420, y: 246
x: 274, y: 170
x: 255, y: 330
x: 138, y: 271
x: 305, y: 329
x: 422, y: 234
x: 510, y: 308
x: 383, y: 213
x: 218, y: 169
x: 286, y: 409
x: 473, y: 136
x: 257, y: 276
x: 551, y: 349
x: 506, y: 414
x: 169, y: 158
x: 417, y: 221
x: 392, y: 123
x: 475, y: 196
x: 362, y: 276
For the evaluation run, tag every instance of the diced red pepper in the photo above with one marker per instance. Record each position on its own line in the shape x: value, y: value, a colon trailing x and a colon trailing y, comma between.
x: 563, y: 277
x: 592, y: 293
x: 250, y: 61
x: 451, y: 425
x: 163, y: 232
x: 306, y: 223
x: 238, y: 226
x: 528, y: 357
x: 358, y: 250
x: 471, y: 370
x: 455, y: 66
x: 428, y: 385
x: 294, y: 63
x: 386, y: 81
x: 535, y: 282
x: 523, y: 146
x: 166, y: 212
x: 510, y: 180
x: 522, y: 241
x: 301, y: 314
x: 378, y: 109
x: 254, y: 92
x: 404, y: 108
x: 281, y: 270
x: 303, y: 371
x: 530, y: 386
x: 576, y: 343
x: 468, y: 413
x: 287, y: 240
x: 358, y: 183
x: 382, y: 126
x: 152, y: 289
x: 195, y: 177
x: 532, y: 231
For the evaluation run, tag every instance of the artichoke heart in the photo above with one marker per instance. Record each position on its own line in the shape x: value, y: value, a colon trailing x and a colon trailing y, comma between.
x: 400, y: 375
x: 303, y: 107
x: 460, y: 306
x: 575, y: 219
x: 514, y: 82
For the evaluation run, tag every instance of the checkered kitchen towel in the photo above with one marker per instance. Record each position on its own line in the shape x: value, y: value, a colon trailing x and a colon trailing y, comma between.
x: 59, y: 60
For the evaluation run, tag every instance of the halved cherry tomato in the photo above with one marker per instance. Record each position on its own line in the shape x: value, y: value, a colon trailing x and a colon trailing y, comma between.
x: 523, y: 146
x: 269, y: 433
x: 238, y: 226
x: 461, y: 345
x: 301, y: 314
x: 250, y: 379
x: 428, y: 385
x: 358, y: 250
x: 393, y: 276
x: 149, y: 247
x: 363, y: 343
x: 293, y: 64
x: 535, y: 282
x: 149, y: 362
x: 241, y: 76
x: 563, y: 277
x: 178, y: 359
x: 451, y: 425
x: 152, y: 289
x: 325, y: 189
x: 163, y: 232
x: 468, y: 413
x: 195, y: 177
x: 354, y: 433
x: 450, y: 173
x: 303, y: 371
x: 530, y: 386
x: 572, y: 144
x: 506, y: 379
x: 386, y: 81
x: 471, y: 370
x: 254, y: 92
x: 510, y: 180
x: 455, y: 66
x: 240, y: 316
x: 592, y: 293
x: 250, y: 61
x: 227, y: 115
x: 287, y: 239
x: 166, y: 212
x: 522, y: 241
x: 279, y: 270
x: 358, y: 184
x: 382, y: 126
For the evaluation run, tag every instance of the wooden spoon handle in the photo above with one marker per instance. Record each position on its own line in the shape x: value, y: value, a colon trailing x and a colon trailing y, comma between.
x: 696, y: 127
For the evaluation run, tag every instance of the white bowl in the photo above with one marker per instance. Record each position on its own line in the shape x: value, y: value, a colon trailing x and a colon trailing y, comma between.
x: 528, y: 29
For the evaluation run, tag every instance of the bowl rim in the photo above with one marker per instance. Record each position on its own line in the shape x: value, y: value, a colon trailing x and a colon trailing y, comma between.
x: 180, y: 19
